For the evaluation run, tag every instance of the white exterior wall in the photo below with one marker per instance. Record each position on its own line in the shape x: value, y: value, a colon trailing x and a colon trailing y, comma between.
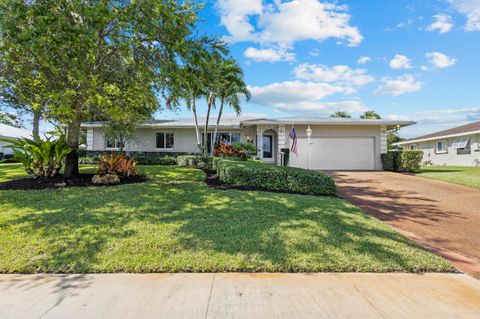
x: 3, y: 149
x: 185, y: 140
x: 450, y: 158
x: 373, y: 131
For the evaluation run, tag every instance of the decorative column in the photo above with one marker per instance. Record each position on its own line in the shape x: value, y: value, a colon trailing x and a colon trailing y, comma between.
x: 281, y: 143
x: 260, y: 142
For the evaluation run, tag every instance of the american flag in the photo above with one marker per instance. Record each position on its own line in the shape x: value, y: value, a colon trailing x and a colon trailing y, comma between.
x: 293, y: 136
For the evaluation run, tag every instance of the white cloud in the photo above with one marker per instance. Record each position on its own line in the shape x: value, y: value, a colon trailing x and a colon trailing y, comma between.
x: 436, y: 120
x: 423, y: 67
x: 400, y: 62
x: 269, y: 55
x: 400, y: 25
x: 314, y: 52
x: 442, y: 24
x: 284, y: 23
x: 363, y: 60
x: 303, y: 96
x: 342, y: 74
x: 398, y: 86
x: 440, y: 60
x: 471, y: 9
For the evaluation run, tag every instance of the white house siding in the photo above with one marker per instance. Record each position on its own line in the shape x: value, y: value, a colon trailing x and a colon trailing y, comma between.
x: 345, y: 131
x: 185, y: 140
x: 451, y: 157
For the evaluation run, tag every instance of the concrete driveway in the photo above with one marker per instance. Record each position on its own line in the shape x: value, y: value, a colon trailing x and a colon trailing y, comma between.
x: 442, y: 217
x: 346, y: 295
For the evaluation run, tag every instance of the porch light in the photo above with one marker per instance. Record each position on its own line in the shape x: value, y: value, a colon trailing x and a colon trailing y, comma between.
x: 309, y: 132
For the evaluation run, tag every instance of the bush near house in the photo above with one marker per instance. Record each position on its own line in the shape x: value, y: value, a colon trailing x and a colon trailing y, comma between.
x: 275, y: 178
x: 402, y: 161
x: 204, y: 162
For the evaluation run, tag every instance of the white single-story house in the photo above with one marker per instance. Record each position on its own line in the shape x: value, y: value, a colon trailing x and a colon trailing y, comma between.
x: 11, y: 133
x: 458, y: 146
x: 336, y: 143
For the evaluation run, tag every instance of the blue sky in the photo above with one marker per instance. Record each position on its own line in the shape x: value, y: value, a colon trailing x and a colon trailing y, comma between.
x: 304, y: 57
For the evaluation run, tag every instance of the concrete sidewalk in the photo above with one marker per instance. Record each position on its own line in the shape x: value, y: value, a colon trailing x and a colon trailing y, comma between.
x: 235, y: 295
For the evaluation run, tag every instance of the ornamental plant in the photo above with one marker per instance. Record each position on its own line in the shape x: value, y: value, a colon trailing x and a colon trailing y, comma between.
x: 116, y: 164
x: 41, y: 158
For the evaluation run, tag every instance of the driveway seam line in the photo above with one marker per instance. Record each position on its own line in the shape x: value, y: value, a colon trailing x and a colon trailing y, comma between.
x: 209, y: 296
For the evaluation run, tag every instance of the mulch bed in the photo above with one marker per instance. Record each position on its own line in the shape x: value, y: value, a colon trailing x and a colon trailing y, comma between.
x: 59, y: 182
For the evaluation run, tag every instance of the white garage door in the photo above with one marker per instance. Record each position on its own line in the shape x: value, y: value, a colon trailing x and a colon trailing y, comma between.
x: 336, y: 153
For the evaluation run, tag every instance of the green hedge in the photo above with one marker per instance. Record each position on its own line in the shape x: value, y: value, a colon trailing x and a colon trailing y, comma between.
x: 275, y: 178
x: 402, y: 161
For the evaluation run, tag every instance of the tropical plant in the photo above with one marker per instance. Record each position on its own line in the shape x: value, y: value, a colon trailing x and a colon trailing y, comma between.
x: 341, y: 114
x: 41, y: 158
x: 117, y: 164
x: 230, y: 86
x: 227, y: 150
x: 370, y: 115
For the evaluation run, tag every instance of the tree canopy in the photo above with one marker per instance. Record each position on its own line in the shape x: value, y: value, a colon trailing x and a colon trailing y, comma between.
x: 341, y: 114
x: 105, y: 58
x: 372, y: 115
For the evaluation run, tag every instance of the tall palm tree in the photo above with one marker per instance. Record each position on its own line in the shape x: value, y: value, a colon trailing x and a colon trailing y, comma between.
x: 230, y: 87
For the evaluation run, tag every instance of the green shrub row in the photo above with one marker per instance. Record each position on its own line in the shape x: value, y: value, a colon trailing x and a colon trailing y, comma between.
x: 402, y: 161
x: 203, y: 162
x: 276, y: 178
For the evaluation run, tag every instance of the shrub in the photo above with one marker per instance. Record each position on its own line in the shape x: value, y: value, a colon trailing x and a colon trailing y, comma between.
x: 227, y: 150
x: 249, y: 148
x: 204, y: 162
x: 116, y: 164
x: 7, y: 160
x: 276, y: 178
x: 410, y: 161
x: 41, y: 158
x: 402, y: 161
x: 154, y: 159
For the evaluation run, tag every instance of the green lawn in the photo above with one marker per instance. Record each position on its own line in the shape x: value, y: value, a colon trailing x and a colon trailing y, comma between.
x: 175, y: 223
x: 468, y: 176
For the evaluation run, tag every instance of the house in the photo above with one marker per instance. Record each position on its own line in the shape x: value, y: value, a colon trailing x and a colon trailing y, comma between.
x: 336, y: 143
x: 456, y: 146
x: 8, y: 133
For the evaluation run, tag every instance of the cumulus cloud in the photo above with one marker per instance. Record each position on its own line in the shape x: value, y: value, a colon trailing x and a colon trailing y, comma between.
x: 342, y: 74
x: 269, y: 55
x: 440, y: 60
x: 398, y: 86
x: 363, y: 60
x: 442, y: 24
x: 303, y: 96
x: 400, y: 62
x: 471, y: 9
x: 284, y: 23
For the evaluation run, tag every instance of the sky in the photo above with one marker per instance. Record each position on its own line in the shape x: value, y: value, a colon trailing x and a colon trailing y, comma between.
x: 406, y: 59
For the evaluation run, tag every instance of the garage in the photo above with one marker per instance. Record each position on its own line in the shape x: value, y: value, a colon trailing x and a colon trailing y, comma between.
x: 336, y: 153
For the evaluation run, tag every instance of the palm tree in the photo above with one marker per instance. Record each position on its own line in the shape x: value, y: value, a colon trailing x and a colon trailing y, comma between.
x: 370, y: 115
x: 341, y: 114
x: 231, y: 86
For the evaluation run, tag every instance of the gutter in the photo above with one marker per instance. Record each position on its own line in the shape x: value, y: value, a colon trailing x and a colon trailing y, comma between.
x: 436, y: 138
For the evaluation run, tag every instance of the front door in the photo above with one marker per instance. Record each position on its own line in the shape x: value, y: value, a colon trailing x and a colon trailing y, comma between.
x: 267, y: 146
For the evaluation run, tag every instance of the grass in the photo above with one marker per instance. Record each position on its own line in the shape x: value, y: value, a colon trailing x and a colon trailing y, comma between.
x: 175, y: 223
x: 468, y: 176
x: 11, y: 171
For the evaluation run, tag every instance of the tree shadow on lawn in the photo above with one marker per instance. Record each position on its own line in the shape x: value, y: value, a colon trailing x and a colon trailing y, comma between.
x: 170, y: 224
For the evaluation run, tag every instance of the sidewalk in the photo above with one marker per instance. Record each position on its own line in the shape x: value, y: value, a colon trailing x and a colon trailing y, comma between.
x: 234, y: 295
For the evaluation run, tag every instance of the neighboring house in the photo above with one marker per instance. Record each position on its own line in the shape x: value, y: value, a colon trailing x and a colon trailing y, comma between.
x: 336, y: 143
x: 11, y: 133
x: 456, y: 146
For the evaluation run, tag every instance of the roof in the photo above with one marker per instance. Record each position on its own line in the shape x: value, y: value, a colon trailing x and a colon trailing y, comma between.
x: 467, y: 129
x: 7, y: 131
x: 238, y: 122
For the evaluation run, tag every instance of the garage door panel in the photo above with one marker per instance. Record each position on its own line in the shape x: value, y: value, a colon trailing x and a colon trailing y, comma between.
x: 342, y: 153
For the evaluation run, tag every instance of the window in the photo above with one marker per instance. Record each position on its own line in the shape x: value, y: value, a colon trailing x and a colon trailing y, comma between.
x: 462, y: 145
x: 164, y: 140
x: 235, y: 137
x: 114, y: 143
x: 413, y: 147
x: 441, y: 147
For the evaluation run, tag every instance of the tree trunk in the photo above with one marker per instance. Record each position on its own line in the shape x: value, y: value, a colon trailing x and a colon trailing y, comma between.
x: 197, y: 131
x: 73, y: 136
x: 218, y: 119
x: 37, y: 115
x: 209, y: 107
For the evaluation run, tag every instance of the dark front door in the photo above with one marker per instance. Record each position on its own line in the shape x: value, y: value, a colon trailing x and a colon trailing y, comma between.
x: 267, y: 146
